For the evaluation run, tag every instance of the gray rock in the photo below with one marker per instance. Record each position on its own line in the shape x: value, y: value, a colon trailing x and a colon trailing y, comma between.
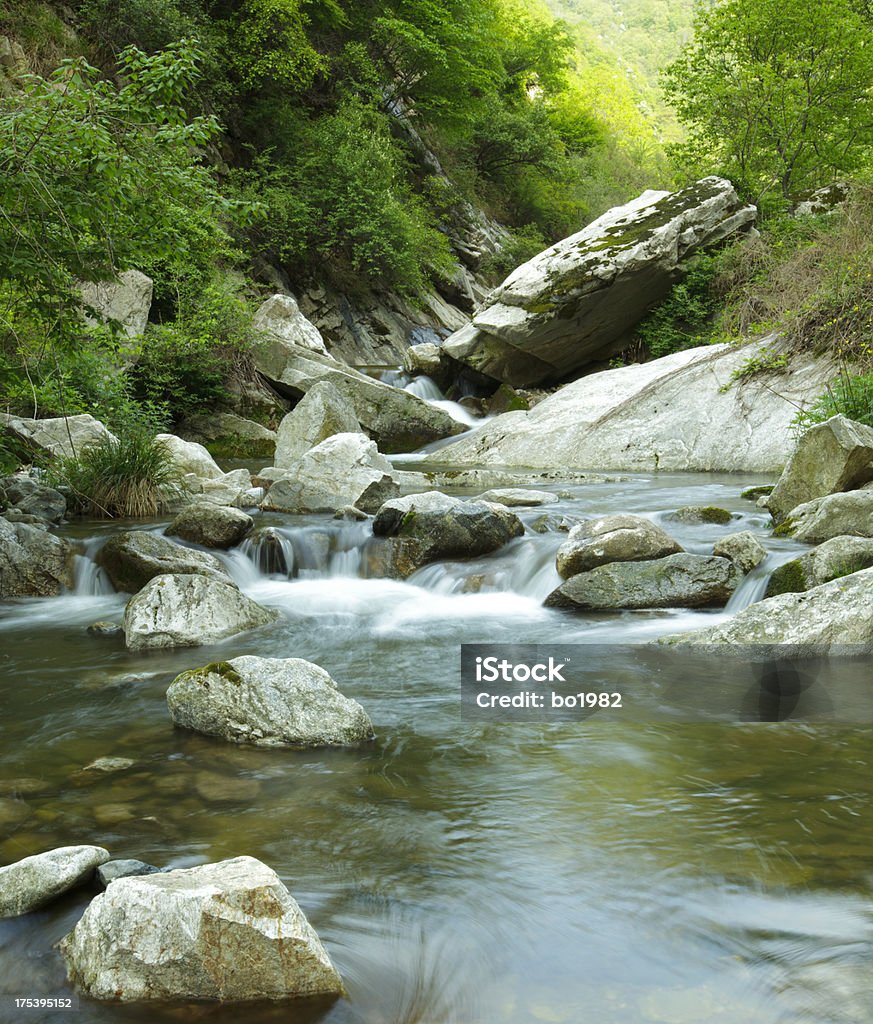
x: 351, y: 513
x: 756, y: 492
x: 426, y: 358
x: 109, y: 764
x: 127, y: 300
x: 268, y: 702
x: 616, y: 538
x: 213, y: 526
x: 31, y: 883
x: 574, y: 303
x: 229, y: 436
x: 837, y: 557
x: 281, y: 325
x: 834, y: 614
x: 112, y: 870
x: 33, y: 562
x: 432, y: 526
x: 229, y: 489
x: 132, y: 558
x: 836, y: 515
x: 836, y: 455
x: 59, y: 436
x: 345, y: 469
x: 106, y: 630
x: 701, y: 514
x: 190, y: 458
x: 518, y: 497
x: 31, y: 498
x: 322, y: 412
x: 677, y: 581
x: 229, y: 931
x: 743, y: 549
x: 187, y: 611
x: 673, y: 413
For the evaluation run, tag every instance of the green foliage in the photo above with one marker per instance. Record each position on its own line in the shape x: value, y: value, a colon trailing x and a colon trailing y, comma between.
x: 766, y: 360
x: 522, y: 245
x: 270, y: 45
x: 684, y: 319
x: 850, y: 394
x: 778, y: 98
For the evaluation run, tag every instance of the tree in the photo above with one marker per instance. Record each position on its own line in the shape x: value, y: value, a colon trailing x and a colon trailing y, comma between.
x: 780, y: 93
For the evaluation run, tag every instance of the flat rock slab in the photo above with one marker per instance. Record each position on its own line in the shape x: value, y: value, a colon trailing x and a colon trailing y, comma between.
x: 229, y: 931
x: 518, y: 497
x: 31, y: 883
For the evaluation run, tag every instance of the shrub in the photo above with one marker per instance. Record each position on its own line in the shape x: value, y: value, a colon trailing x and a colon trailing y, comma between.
x: 684, y: 319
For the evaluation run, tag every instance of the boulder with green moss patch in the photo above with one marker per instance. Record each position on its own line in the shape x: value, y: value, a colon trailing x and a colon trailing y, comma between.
x: 845, y: 514
x: 837, y: 557
x: 225, y: 435
x: 701, y: 514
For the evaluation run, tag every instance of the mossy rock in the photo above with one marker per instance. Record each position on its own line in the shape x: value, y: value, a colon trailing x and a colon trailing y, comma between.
x: 701, y: 514
x: 789, y: 578
x: 229, y: 447
x: 758, y: 491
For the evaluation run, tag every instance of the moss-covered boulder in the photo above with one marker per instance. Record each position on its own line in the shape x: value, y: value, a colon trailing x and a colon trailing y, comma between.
x: 846, y: 514
x: 226, y: 435
x: 835, y: 558
x: 701, y: 514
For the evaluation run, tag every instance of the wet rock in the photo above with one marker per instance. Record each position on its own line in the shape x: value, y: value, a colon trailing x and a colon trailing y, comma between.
x: 105, y: 630
x: 226, y: 435
x: 346, y: 469
x: 189, y: 457
x: 575, y: 302
x: 833, y: 614
x: 351, y: 513
x: 427, y: 358
x: 616, y: 538
x: 132, y: 558
x: 322, y: 412
x: 24, y: 786
x: 833, y: 456
x: 30, y: 498
x: 33, y: 562
x: 677, y: 581
x: 187, y: 611
x: 13, y: 812
x: 128, y: 868
x: 222, y: 789
x: 107, y: 815
x: 837, y: 557
x: 58, y: 436
x: 756, y: 492
x: 743, y: 549
x: 432, y: 526
x: 109, y: 764
x: 229, y: 931
x: 213, y: 526
x: 31, y: 883
x: 518, y: 497
x: 229, y: 489
x: 836, y: 515
x: 267, y: 702
x: 701, y: 514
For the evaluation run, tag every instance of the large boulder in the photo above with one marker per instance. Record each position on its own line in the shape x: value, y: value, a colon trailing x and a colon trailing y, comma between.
x: 64, y: 436
x: 575, y: 303
x: 833, y: 456
x: 189, y: 610
x: 397, y: 420
x: 229, y: 436
x: 280, y: 325
x: 190, y: 458
x: 677, y: 581
x: 616, y: 538
x: 32, y: 498
x: 125, y: 301
x: 31, y: 883
x: 33, y: 562
x: 229, y: 931
x: 133, y: 558
x: 847, y: 514
x: 834, y: 614
x: 213, y: 526
x: 685, y: 411
x: 322, y: 412
x: 345, y: 469
x: 837, y: 557
x: 268, y: 702
x: 430, y: 527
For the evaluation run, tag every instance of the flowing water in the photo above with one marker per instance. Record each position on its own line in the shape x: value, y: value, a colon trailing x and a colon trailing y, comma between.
x: 457, y: 871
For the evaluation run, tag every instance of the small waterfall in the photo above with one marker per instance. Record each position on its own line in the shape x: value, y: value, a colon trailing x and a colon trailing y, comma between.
x: 89, y: 580
x: 753, y: 586
x: 305, y: 552
x: 426, y: 388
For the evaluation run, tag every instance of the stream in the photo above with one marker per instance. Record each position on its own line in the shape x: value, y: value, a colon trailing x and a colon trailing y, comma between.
x: 457, y: 871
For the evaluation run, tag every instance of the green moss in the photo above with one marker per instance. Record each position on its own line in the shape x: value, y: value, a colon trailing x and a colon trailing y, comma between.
x: 540, y: 307
x: 787, y: 579
x: 753, y: 493
x: 702, y: 514
x: 230, y: 447
x: 215, y: 668
x: 786, y: 528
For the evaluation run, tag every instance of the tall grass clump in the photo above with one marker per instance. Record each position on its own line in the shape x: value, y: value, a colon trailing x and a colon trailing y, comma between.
x: 850, y: 394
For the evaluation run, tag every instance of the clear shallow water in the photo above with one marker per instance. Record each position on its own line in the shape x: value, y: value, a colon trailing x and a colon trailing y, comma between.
x: 459, y: 871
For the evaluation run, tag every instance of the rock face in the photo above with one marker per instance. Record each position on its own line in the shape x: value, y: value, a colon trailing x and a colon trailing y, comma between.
x: 840, y: 556
x: 228, y: 931
x: 833, y: 456
x: 268, y: 702
x: 31, y: 498
x: 187, y: 611
x: 677, y: 581
x: 433, y: 526
x: 835, y: 613
x: 132, y: 558
x: 59, y: 436
x: 281, y: 324
x: 33, y: 562
x: 397, y: 420
x: 213, y: 526
x: 126, y: 301
x: 619, y: 538
x: 845, y: 514
x: 575, y: 302
x: 743, y: 549
x: 345, y: 469
x: 668, y: 414
x: 230, y: 436
x: 322, y: 412
x: 31, y: 883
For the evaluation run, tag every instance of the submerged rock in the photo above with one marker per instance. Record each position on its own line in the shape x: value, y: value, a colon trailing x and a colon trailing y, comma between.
x: 837, y: 557
x: 322, y: 412
x: 616, y: 538
x: 836, y: 455
x: 187, y: 611
x: 132, y: 558
x: 213, y: 526
x: 229, y: 931
x: 677, y: 581
x: 743, y: 549
x: 268, y: 702
x: 31, y: 883
x: 836, y: 515
x: 701, y: 514
x: 33, y: 562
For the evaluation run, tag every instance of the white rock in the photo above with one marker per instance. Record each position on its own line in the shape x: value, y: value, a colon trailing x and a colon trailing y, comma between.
x: 58, y: 436
x: 127, y: 300
x: 31, y: 883
x: 743, y: 549
x: 190, y: 457
x: 280, y: 320
x: 848, y: 514
x: 322, y: 412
